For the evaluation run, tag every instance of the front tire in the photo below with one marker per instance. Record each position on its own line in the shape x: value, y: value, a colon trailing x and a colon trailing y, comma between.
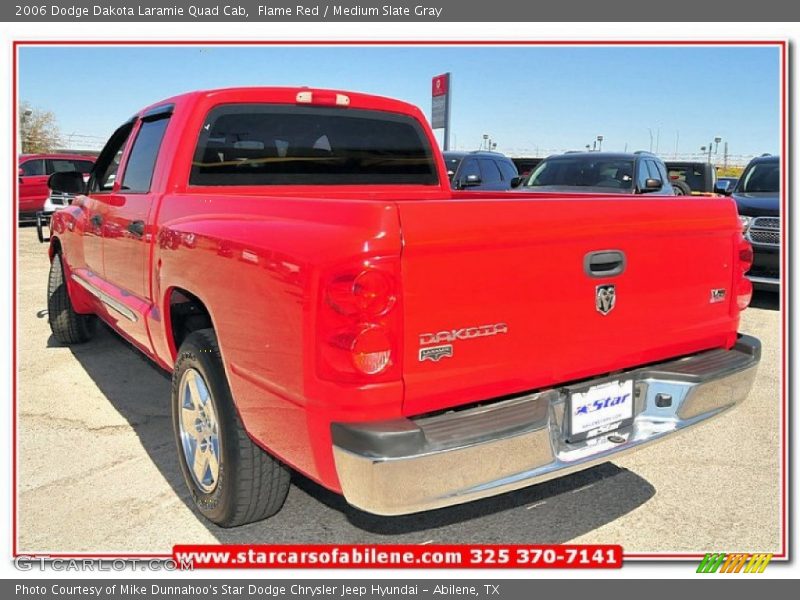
x: 232, y: 481
x: 68, y: 327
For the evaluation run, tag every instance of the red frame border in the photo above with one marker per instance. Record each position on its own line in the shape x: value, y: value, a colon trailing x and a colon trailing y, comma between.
x: 784, y: 306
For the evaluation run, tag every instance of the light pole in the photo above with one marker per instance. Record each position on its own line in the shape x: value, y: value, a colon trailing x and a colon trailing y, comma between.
x: 711, y: 145
x: 599, y: 143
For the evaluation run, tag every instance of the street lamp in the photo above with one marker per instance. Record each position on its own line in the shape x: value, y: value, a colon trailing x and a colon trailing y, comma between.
x: 716, y: 141
x: 599, y: 143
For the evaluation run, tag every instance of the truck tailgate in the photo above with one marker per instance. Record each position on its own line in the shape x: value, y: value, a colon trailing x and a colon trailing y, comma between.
x: 498, y: 298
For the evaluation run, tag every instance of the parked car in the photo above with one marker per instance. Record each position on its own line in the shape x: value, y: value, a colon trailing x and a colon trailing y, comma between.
x: 757, y: 196
x: 325, y: 302
x: 34, y: 169
x: 693, y: 177
x: 600, y: 173
x: 480, y: 170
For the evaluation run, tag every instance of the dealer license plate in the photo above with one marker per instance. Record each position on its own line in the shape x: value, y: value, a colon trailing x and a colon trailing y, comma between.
x: 601, y: 407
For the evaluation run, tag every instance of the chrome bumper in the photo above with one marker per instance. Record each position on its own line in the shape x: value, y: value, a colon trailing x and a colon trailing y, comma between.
x: 410, y: 465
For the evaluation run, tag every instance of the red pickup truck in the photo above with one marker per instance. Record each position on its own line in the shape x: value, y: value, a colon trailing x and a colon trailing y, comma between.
x: 326, y: 303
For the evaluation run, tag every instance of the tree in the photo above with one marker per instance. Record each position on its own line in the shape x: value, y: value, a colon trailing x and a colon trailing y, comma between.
x: 38, y: 130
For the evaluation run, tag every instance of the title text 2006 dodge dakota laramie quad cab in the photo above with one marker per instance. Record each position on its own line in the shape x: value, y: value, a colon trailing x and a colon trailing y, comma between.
x: 326, y: 303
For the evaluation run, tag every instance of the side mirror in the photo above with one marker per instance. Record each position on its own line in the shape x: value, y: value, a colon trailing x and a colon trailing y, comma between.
x: 69, y: 182
x: 20, y: 172
x: 652, y: 185
x: 723, y: 187
x: 471, y: 181
x: 516, y: 181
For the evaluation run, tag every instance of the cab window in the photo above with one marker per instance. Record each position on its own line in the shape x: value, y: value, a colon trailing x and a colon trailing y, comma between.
x: 105, y: 169
x: 32, y: 168
x: 142, y: 160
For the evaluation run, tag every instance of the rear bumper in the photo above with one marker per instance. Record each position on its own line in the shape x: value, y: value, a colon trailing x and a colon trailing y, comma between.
x: 410, y: 465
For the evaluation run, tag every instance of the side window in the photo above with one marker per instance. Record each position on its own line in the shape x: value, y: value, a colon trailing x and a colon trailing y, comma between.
x: 142, y: 160
x: 58, y: 165
x: 105, y: 169
x: 508, y: 169
x: 653, y: 168
x: 32, y: 168
x: 84, y: 166
x: 490, y: 172
x: 469, y: 167
x: 642, y: 175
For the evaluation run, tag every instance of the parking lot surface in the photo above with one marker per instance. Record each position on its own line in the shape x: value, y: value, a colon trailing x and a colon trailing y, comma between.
x: 98, y: 471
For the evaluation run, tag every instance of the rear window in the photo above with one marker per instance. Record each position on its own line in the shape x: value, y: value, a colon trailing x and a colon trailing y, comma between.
x: 251, y: 144
x: 691, y: 175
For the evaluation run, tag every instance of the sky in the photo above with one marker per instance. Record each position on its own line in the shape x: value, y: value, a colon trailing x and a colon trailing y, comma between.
x: 529, y: 100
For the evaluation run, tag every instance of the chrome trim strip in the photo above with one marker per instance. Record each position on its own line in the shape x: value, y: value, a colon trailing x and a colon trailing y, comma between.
x: 106, y: 299
x: 405, y: 466
x: 764, y: 280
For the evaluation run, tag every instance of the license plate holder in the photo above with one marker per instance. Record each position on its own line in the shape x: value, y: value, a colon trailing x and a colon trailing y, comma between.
x: 601, y: 408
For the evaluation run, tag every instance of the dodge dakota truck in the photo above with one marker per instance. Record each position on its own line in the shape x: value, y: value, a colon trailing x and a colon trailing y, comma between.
x: 325, y: 302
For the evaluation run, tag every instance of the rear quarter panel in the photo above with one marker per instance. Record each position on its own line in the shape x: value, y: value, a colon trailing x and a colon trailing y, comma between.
x: 255, y: 262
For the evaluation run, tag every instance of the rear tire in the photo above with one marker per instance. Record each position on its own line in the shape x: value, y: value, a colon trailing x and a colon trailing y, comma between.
x: 233, y: 481
x: 68, y: 327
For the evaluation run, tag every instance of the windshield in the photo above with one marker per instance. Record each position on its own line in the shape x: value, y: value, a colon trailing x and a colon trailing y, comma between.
x: 452, y: 165
x: 583, y: 171
x: 260, y: 144
x: 761, y: 177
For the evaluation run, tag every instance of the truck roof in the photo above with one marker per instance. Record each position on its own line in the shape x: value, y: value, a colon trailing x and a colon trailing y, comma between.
x: 289, y: 95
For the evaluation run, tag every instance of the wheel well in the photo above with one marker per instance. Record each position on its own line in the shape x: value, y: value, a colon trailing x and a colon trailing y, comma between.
x: 55, y: 247
x: 187, y: 314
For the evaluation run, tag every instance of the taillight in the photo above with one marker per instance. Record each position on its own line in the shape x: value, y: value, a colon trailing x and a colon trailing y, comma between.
x: 369, y: 293
x: 371, y: 350
x: 322, y: 98
x: 744, y: 293
x: 745, y: 255
x: 744, y: 287
x: 359, y: 322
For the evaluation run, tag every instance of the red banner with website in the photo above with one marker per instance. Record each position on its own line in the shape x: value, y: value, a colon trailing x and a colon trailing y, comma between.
x: 360, y: 556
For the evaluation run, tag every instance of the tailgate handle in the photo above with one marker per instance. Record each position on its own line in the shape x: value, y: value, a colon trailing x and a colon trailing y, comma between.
x: 604, y: 263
